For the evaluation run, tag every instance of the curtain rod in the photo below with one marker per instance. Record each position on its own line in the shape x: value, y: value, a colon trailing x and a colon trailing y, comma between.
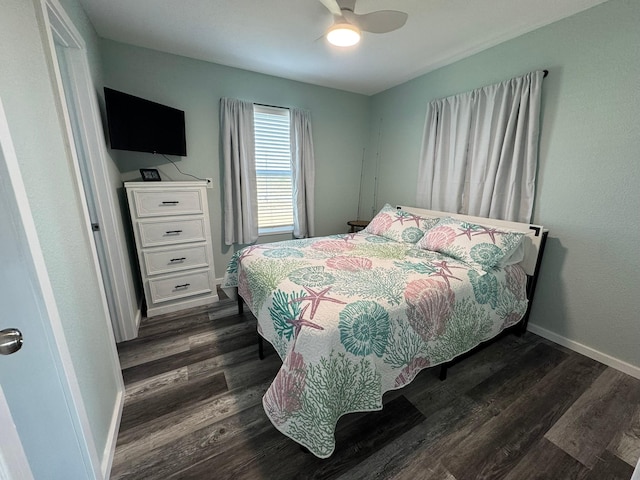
x: 546, y: 72
x: 271, y: 106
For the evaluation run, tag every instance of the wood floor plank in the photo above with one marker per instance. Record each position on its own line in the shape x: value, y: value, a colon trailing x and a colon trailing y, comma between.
x: 356, y: 441
x: 456, y: 413
x: 626, y: 444
x: 131, y: 356
x: 395, y: 459
x: 589, y: 425
x: 476, y: 444
x: 499, y: 444
x: 229, y: 340
x: 195, y: 447
x: 225, y: 311
x: 242, y: 374
x: 510, y: 381
x: 181, y: 396
x: 469, y: 426
x: 545, y: 461
x: 166, y: 429
x: 156, y: 385
x: 244, y: 326
x: 610, y: 467
x: 429, y: 393
x: 487, y: 420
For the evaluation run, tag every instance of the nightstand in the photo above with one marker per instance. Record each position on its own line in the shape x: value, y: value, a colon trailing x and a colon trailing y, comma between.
x: 357, y: 225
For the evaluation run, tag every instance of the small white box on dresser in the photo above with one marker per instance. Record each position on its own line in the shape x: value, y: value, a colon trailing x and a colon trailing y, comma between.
x: 173, y: 241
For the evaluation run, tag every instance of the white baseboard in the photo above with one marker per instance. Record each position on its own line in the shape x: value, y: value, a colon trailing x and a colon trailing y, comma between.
x: 114, y: 428
x: 586, y: 351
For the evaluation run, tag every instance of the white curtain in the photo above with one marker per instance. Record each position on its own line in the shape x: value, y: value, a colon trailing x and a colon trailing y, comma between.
x: 238, y: 151
x: 494, y: 142
x: 303, y: 172
x: 443, y: 163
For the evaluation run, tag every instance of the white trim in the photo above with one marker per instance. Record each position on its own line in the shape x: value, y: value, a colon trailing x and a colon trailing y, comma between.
x: 265, y: 232
x: 54, y: 20
x: 110, y: 446
x: 636, y: 472
x: 585, y: 350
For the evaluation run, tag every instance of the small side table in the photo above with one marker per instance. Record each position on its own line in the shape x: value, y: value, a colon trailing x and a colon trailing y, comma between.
x: 357, y: 225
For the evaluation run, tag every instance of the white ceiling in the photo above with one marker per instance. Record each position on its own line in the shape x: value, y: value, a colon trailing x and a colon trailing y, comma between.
x: 284, y: 37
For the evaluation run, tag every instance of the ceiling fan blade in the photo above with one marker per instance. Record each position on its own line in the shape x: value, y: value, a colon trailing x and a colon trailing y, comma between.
x: 347, y: 5
x: 382, y: 21
x: 332, y: 6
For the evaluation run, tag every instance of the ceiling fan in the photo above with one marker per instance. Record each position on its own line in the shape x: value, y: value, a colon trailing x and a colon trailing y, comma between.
x: 348, y: 25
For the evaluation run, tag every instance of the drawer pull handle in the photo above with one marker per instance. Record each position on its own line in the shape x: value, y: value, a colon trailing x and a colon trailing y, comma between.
x: 186, y: 285
x: 173, y: 232
x: 182, y: 259
x: 173, y: 202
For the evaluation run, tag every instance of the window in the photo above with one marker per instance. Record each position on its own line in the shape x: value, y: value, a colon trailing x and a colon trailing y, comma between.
x: 273, y: 170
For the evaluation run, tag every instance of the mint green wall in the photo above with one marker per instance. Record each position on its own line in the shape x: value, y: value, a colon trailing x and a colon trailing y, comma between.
x: 587, y: 192
x: 339, y: 122
x: 27, y: 92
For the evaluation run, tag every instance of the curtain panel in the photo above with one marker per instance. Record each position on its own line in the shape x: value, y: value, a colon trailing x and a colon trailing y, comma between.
x: 303, y: 173
x: 238, y: 151
x: 480, y: 151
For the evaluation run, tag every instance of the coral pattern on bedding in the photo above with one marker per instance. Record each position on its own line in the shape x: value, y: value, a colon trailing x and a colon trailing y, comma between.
x: 353, y: 316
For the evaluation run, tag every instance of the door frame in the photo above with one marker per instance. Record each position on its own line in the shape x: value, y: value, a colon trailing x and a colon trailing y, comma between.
x: 118, y: 287
x: 58, y: 28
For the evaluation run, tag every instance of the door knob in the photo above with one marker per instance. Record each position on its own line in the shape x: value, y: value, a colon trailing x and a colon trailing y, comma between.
x: 10, y: 341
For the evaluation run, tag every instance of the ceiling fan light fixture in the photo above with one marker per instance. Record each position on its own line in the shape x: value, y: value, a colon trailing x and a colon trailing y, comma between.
x: 343, y: 35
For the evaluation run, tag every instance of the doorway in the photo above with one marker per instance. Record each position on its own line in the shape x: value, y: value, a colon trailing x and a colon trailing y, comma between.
x: 97, y: 175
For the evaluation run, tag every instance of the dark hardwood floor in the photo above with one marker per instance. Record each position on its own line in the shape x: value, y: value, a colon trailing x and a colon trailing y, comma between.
x: 523, y: 408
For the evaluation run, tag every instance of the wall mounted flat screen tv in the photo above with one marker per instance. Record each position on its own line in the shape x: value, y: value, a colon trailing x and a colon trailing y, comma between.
x: 141, y: 125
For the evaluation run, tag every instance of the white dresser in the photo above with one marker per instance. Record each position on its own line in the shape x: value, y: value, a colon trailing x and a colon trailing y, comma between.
x: 173, y: 240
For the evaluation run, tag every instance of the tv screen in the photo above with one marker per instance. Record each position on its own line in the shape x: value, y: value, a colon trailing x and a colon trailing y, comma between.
x: 141, y: 125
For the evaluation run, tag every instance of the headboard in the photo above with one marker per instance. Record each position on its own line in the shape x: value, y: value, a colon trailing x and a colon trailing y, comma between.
x: 534, y: 234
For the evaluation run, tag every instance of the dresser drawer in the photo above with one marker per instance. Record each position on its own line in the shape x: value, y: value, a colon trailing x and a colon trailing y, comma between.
x: 163, y: 203
x: 168, y: 260
x: 180, y: 286
x: 170, y: 231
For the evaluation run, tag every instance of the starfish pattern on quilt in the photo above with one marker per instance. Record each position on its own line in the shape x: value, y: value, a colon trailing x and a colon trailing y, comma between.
x: 444, y: 265
x: 315, y: 297
x: 247, y: 251
x: 466, y: 231
x: 300, y: 322
x: 488, y: 231
x: 446, y: 276
x: 401, y: 217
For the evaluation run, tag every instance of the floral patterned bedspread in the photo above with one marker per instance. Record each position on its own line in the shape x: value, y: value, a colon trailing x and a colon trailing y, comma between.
x: 353, y: 316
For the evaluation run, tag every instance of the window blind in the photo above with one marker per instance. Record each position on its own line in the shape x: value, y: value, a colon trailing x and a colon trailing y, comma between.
x: 273, y: 169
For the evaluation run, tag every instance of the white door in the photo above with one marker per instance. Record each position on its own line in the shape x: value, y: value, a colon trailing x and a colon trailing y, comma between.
x: 96, y: 181
x: 37, y: 380
x: 13, y: 461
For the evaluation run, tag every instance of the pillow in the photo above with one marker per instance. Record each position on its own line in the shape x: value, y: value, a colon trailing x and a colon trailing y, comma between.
x: 477, y: 245
x: 516, y: 257
x: 399, y: 225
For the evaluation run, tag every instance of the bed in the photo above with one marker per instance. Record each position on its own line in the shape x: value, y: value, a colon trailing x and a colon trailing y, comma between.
x: 355, y: 315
